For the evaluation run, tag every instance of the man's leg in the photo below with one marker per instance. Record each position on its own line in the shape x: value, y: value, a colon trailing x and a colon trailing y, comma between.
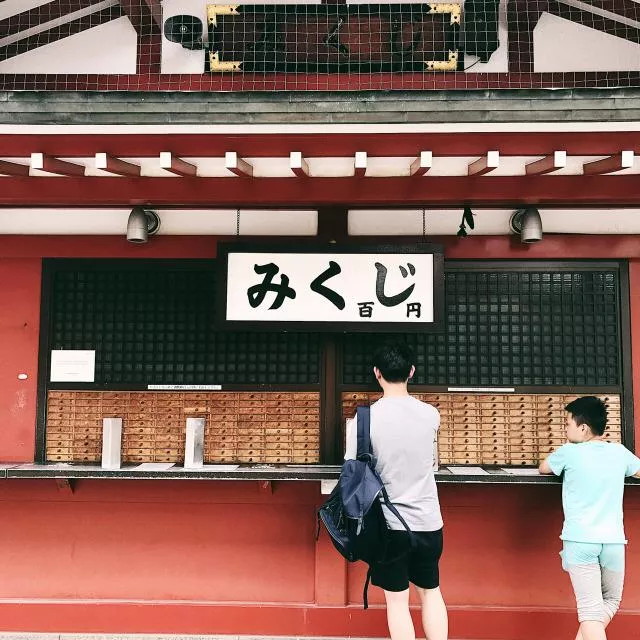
x: 399, y: 616
x: 434, y: 614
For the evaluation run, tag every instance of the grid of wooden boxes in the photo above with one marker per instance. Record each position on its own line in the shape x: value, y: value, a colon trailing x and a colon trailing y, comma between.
x: 284, y: 427
x: 503, y: 429
x: 267, y: 427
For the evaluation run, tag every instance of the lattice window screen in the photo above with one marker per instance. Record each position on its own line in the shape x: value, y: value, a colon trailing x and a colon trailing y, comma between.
x: 155, y: 325
x: 156, y: 45
x: 514, y: 328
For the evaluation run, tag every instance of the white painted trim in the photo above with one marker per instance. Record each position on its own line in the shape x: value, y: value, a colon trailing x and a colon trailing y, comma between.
x: 221, y: 129
x: 361, y: 160
x: 51, y: 24
x: 627, y: 159
x: 560, y: 159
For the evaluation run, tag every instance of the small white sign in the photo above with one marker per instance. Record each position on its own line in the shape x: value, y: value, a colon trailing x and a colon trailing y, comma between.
x: 482, y: 389
x: 68, y: 365
x: 184, y: 387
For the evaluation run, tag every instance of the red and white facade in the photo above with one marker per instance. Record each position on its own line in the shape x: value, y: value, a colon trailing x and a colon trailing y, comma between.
x: 240, y: 557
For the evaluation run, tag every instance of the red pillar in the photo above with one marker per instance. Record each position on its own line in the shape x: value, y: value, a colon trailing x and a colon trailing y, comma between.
x: 19, y: 332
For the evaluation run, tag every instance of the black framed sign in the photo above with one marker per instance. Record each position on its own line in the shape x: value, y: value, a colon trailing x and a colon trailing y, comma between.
x: 328, y: 288
x: 333, y: 37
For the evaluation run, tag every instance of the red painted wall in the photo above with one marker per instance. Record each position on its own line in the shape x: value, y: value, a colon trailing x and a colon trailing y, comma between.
x: 232, y: 557
x: 19, y: 330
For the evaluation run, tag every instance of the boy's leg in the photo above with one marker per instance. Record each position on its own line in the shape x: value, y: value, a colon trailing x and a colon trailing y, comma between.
x: 612, y: 563
x: 399, y: 616
x: 586, y: 581
x: 434, y: 614
x: 612, y: 584
x: 581, y: 561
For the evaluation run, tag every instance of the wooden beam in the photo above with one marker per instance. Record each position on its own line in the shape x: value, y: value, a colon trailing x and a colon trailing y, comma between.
x: 558, y: 160
x: 59, y: 33
x: 360, y: 164
x: 618, y: 162
x: 522, y: 18
x: 42, y: 162
x: 237, y: 165
x: 321, y: 145
x: 421, y: 164
x: 114, y: 165
x: 170, y: 163
x: 333, y: 224
x: 622, y: 8
x: 41, y: 15
x: 313, y: 82
x: 298, y: 164
x: 485, y: 164
x: 144, y: 15
x: 13, y: 168
x: 595, y: 21
x: 499, y: 191
x: 66, y: 485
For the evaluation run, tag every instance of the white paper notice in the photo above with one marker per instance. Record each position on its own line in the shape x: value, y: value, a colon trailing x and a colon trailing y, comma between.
x: 522, y: 471
x: 155, y: 466
x: 468, y: 471
x: 73, y: 366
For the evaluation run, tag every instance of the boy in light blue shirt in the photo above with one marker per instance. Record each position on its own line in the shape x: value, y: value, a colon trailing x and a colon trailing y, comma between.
x: 593, y: 533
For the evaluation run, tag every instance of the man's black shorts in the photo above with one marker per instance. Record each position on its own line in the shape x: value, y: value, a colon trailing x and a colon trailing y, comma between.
x: 403, y: 565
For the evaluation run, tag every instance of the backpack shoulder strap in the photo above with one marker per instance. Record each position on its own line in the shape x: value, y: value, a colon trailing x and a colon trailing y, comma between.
x: 393, y: 509
x: 363, y: 417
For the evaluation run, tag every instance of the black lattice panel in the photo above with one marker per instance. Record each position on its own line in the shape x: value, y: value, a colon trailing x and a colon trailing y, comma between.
x: 514, y: 328
x: 156, y: 325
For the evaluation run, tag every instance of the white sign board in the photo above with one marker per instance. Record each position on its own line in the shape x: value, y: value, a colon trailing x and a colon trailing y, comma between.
x: 336, y: 289
x: 72, y: 365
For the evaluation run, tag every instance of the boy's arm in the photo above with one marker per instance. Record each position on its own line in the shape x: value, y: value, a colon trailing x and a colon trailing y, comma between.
x: 544, y: 467
x: 633, y: 464
x: 555, y: 462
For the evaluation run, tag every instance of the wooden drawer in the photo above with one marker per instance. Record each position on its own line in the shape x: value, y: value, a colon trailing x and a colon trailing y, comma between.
x: 249, y: 458
x: 279, y: 433
x: 306, y: 446
x: 278, y: 459
x: 307, y: 458
x: 227, y: 453
x: 277, y: 446
x: 223, y: 442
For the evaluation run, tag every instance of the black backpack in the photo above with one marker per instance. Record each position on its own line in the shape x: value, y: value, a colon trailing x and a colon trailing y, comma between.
x: 353, y: 513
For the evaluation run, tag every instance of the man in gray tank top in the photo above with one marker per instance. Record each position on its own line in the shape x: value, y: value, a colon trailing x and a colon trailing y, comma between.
x: 403, y: 435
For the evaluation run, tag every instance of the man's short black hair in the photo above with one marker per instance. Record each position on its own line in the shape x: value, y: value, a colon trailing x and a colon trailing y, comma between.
x: 394, y: 360
x: 591, y: 411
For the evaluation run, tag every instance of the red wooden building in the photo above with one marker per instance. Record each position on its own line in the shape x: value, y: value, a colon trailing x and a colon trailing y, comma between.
x: 300, y: 157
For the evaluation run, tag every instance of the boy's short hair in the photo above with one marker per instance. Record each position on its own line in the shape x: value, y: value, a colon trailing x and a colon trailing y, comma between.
x: 394, y: 360
x: 591, y: 411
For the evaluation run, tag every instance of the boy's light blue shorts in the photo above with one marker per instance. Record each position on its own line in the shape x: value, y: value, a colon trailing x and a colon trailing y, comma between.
x: 609, y: 556
x: 597, y: 576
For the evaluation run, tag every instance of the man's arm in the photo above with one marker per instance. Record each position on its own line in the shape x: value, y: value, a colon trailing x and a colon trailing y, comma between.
x: 351, y: 440
x: 637, y: 474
